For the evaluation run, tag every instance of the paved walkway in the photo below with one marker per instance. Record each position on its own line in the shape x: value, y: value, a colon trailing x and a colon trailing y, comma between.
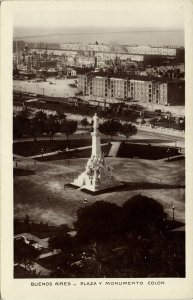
x: 114, y: 149
x: 59, y: 151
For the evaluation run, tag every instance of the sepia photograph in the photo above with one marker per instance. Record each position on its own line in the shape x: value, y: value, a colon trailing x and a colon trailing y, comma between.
x: 96, y: 150
x: 98, y: 143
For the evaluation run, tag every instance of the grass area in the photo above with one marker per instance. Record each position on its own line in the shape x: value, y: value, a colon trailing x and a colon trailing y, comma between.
x: 74, y: 154
x: 29, y: 148
x: 146, y: 151
x: 45, y: 197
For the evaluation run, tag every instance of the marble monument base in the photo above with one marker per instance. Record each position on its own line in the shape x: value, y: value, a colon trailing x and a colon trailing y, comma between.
x: 95, y: 185
x: 97, y: 176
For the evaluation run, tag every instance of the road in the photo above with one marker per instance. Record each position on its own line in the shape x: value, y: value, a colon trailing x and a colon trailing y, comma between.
x: 142, y: 136
x: 177, y: 141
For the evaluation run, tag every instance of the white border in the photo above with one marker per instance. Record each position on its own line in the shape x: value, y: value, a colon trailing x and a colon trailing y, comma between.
x: 21, y: 288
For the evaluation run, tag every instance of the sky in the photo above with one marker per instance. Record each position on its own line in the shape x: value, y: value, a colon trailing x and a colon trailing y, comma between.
x: 128, y: 15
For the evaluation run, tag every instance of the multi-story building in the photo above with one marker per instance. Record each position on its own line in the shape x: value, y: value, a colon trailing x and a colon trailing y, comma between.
x: 122, y: 56
x: 151, y: 50
x: 171, y: 52
x: 165, y: 91
x: 53, y: 52
x: 85, y: 47
x: 82, y: 61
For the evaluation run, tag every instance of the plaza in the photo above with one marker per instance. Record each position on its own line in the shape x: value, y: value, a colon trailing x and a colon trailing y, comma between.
x: 43, y: 192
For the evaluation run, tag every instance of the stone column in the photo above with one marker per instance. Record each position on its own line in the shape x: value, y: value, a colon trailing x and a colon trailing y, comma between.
x: 96, y: 140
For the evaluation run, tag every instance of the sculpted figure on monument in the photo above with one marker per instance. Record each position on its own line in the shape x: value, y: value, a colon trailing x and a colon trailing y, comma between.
x: 98, y: 174
x: 95, y: 122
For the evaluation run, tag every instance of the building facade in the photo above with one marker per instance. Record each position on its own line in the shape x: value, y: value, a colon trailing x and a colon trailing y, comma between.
x: 162, y: 91
x: 85, y: 47
x: 151, y: 50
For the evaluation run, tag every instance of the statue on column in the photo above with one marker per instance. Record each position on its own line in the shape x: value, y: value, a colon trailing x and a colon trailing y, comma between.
x: 98, y: 174
x: 95, y: 122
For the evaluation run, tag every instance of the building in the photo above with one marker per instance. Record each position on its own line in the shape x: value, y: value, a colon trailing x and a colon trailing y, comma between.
x: 148, y: 51
x: 164, y: 91
x: 122, y: 56
x: 85, y: 47
x: 151, y: 50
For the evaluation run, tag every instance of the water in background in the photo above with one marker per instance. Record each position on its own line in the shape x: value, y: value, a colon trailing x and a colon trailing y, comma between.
x: 124, y: 37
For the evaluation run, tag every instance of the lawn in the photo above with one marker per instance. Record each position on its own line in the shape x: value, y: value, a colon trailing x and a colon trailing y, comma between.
x: 147, y: 151
x: 44, y: 196
x: 74, y: 154
x: 30, y: 148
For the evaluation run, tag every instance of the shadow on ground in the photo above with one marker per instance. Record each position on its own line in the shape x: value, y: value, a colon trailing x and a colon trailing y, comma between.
x: 127, y: 186
x: 23, y: 172
x: 149, y: 141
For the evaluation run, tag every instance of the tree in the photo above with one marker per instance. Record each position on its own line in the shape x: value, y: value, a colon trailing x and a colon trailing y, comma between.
x: 24, y: 253
x: 128, y: 130
x: 68, y: 127
x: 95, y: 262
x: 84, y: 122
x: 143, y: 215
x: 62, y: 241
x: 40, y: 116
x: 110, y: 127
x: 98, y: 221
x: 21, y: 126
x: 35, y: 129
x: 60, y: 115
x: 129, y: 257
x: 52, y: 126
x: 38, y: 124
x: 25, y: 113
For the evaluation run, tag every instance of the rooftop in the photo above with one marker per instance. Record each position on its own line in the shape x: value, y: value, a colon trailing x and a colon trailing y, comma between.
x: 135, y: 77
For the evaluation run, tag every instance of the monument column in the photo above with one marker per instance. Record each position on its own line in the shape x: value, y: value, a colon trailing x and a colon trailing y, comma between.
x: 98, y: 175
x: 96, y: 140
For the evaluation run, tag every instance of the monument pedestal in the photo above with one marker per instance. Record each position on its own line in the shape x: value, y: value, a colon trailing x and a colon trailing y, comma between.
x: 98, y: 174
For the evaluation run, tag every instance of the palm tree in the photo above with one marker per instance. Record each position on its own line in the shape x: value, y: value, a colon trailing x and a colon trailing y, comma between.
x: 95, y: 261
